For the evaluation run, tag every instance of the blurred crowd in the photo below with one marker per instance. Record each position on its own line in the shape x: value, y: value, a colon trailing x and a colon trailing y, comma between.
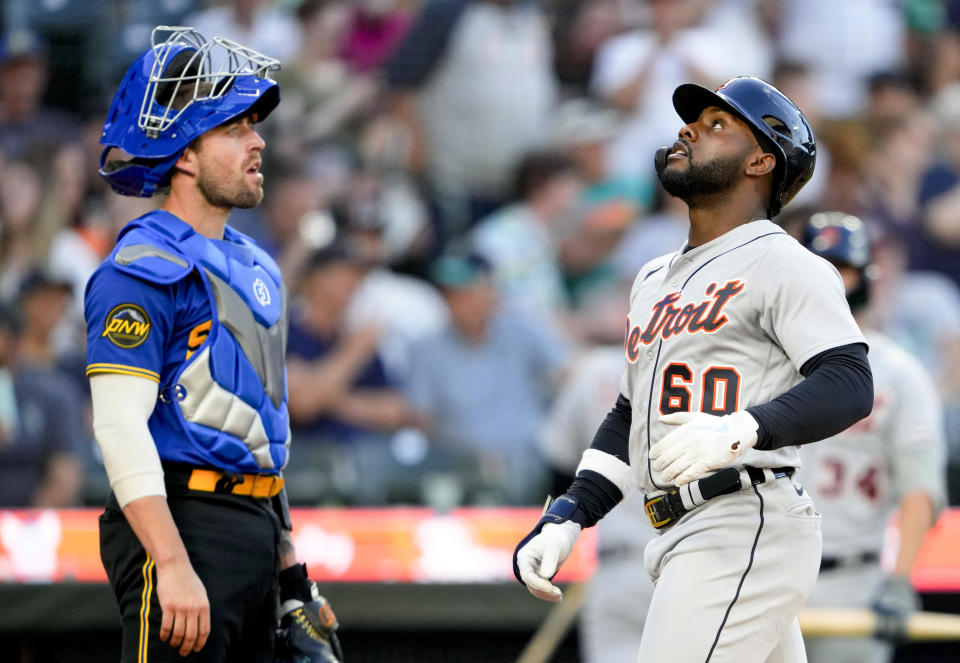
x: 460, y: 193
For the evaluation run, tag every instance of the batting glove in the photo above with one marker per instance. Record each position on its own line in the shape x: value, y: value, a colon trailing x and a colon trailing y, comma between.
x: 539, y: 555
x: 701, y: 444
x: 894, y: 601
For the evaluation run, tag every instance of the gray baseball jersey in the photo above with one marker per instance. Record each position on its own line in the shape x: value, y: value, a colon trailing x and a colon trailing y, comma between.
x: 725, y: 326
x: 719, y: 328
x: 858, y: 477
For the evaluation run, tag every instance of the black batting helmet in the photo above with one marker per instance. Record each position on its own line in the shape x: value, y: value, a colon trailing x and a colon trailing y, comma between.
x: 776, y: 121
x: 843, y: 240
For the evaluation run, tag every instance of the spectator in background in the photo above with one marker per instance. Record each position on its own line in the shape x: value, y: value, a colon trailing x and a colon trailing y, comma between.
x: 323, y: 98
x: 579, y: 30
x: 259, y: 24
x: 891, y: 194
x: 520, y: 239
x: 586, y: 129
x: 343, y: 406
x: 292, y: 195
x: 588, y: 239
x: 405, y: 308
x: 78, y: 246
x: 936, y: 56
x: 892, y: 94
x: 21, y: 203
x: 43, y: 302
x: 941, y: 186
x: 843, y: 44
x: 50, y: 343
x: 636, y: 73
x: 42, y: 446
x: 473, y: 90
x: 746, y: 28
x: 375, y: 28
x: 25, y: 123
x: 483, y: 386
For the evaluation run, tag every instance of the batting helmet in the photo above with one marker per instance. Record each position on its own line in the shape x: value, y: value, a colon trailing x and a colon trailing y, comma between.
x: 178, y: 89
x: 842, y: 239
x: 776, y: 121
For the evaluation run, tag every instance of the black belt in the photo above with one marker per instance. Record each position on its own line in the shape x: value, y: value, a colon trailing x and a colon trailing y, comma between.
x: 666, y: 508
x: 830, y: 563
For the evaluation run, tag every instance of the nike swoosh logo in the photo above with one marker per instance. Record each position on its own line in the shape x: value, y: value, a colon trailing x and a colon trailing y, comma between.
x: 798, y: 488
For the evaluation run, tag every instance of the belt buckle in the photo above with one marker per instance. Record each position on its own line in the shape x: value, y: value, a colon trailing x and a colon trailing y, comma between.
x: 228, y: 482
x: 659, y: 511
x: 266, y: 485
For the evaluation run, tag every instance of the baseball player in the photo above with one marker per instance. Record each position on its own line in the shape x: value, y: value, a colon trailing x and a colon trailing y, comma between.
x: 186, y: 333
x: 739, y: 347
x: 894, y: 457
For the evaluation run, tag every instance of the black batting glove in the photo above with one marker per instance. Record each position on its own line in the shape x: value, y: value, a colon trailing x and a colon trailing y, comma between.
x: 894, y: 601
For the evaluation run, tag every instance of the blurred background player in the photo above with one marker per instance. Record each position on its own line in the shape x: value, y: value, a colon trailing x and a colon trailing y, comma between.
x: 893, y: 458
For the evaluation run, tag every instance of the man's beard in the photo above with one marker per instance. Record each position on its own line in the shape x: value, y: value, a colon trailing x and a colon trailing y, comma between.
x: 228, y: 195
x: 701, y: 179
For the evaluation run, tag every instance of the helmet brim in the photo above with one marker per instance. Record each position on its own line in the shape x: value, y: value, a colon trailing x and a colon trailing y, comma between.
x: 691, y: 99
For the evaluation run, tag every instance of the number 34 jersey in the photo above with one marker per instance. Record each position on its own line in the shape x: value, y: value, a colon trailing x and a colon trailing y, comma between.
x: 724, y: 326
x: 858, y: 477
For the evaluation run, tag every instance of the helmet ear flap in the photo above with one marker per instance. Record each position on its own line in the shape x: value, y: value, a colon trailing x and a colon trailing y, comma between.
x: 139, y: 177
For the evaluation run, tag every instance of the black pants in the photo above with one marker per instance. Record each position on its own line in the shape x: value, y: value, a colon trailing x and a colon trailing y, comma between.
x: 232, y: 544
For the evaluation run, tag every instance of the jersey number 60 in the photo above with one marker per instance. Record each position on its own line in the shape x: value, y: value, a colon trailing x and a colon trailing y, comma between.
x: 720, y: 389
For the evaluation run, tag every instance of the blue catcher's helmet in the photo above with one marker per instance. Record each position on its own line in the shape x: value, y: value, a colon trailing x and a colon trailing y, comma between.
x: 776, y: 121
x: 178, y: 89
x: 843, y: 240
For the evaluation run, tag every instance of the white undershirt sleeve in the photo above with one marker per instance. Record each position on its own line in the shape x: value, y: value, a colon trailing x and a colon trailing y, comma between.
x: 122, y: 405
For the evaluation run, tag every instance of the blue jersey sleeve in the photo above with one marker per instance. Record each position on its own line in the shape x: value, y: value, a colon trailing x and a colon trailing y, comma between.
x: 128, y: 323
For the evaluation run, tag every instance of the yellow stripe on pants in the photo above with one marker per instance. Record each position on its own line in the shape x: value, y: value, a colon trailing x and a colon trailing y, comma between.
x: 145, y: 609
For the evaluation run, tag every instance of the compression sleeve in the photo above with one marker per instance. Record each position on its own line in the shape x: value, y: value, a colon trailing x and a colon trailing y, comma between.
x: 603, y: 476
x: 837, y: 391
x: 122, y: 405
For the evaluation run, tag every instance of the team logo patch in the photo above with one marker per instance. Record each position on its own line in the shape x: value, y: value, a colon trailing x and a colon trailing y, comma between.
x: 127, y: 326
x: 261, y: 292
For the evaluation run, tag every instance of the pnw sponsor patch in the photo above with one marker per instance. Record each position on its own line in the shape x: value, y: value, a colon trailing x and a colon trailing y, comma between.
x: 127, y: 325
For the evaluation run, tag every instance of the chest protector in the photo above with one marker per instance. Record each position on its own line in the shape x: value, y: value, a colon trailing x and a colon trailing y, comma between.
x: 230, y: 395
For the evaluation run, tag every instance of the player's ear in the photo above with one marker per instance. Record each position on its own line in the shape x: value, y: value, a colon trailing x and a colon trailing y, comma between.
x: 760, y: 163
x: 187, y: 163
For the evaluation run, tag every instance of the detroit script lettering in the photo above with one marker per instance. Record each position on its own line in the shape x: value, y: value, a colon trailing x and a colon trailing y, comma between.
x: 667, y: 319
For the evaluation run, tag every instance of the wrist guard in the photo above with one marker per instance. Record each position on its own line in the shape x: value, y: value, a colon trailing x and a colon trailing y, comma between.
x: 558, y: 511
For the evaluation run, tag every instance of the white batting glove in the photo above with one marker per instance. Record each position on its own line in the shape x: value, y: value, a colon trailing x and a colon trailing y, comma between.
x: 539, y: 559
x: 701, y: 444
